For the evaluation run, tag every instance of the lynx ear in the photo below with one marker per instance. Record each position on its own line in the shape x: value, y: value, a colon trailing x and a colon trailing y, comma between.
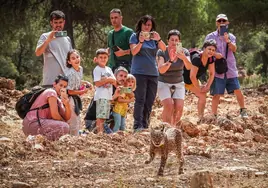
x: 163, y: 127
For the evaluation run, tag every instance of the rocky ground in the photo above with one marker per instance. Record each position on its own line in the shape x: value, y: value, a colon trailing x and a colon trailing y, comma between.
x: 227, y: 152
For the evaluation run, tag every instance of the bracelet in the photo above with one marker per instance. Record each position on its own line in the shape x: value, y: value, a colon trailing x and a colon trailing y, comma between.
x: 170, y: 61
x: 141, y: 42
x: 159, y: 40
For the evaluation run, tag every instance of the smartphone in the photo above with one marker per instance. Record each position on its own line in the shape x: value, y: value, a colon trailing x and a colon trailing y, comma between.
x: 179, y: 48
x: 63, y: 93
x: 125, y: 90
x: 61, y: 34
x: 115, y: 48
x: 148, y: 35
x: 223, y: 29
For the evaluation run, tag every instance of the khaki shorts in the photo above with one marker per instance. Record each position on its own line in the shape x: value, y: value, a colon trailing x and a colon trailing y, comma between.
x: 103, y: 108
x: 164, y: 91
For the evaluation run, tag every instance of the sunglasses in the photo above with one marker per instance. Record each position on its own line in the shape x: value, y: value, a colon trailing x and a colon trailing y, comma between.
x: 221, y: 20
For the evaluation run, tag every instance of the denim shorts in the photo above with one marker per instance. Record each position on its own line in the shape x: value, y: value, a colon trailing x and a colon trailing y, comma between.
x: 219, y: 85
x: 103, y: 108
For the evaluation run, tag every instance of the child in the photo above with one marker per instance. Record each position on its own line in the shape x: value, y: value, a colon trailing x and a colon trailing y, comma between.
x: 75, y: 74
x: 103, y: 80
x: 121, y: 104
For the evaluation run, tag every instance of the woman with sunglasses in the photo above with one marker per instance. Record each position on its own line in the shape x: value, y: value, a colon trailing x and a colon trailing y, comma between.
x: 144, y: 44
x: 171, y: 89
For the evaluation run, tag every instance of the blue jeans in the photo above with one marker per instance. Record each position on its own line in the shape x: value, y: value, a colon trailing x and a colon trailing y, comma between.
x: 119, y: 122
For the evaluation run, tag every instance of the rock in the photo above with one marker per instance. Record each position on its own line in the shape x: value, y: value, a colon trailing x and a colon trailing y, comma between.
x: 5, y: 139
x: 226, y: 124
x: 238, y: 137
x: 134, y: 142
x: 150, y: 179
x: 102, y: 181
x: 19, y: 184
x: 266, y: 92
x: 65, y: 138
x: 259, y: 138
x: 201, y: 179
x: 7, y: 83
x: 248, y: 135
x: 38, y: 147
x: 189, y: 128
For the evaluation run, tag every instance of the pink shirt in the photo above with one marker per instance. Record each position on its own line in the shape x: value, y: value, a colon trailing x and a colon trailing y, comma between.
x: 41, y: 100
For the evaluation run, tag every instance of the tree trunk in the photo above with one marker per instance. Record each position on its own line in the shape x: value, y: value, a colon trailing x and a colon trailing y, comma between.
x: 265, y: 63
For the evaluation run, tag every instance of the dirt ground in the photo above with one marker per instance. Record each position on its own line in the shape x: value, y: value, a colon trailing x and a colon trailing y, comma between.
x: 228, y: 152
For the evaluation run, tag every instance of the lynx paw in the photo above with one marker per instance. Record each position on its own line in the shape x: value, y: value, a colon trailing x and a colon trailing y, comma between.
x: 160, y: 173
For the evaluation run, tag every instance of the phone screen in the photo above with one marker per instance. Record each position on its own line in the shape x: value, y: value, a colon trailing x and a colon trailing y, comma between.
x: 223, y: 29
x: 61, y: 34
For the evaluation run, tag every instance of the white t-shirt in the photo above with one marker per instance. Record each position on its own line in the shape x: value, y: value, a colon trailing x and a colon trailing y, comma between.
x: 54, y: 57
x: 105, y: 91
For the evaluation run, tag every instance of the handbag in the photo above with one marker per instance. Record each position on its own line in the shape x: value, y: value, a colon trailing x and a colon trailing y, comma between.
x: 221, y: 66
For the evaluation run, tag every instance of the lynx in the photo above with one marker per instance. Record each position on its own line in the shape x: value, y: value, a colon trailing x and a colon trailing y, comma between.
x: 165, y: 139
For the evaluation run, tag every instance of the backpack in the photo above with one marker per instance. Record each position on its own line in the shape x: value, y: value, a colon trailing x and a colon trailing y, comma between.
x: 24, y: 104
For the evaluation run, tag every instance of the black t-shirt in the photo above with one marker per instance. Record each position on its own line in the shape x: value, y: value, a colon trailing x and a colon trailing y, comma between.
x: 196, y: 61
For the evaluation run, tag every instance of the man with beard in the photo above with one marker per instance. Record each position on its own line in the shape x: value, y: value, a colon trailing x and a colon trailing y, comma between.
x: 54, y: 45
x: 118, y: 42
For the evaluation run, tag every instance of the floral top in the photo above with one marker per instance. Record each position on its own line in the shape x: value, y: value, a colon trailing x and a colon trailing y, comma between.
x: 75, y: 78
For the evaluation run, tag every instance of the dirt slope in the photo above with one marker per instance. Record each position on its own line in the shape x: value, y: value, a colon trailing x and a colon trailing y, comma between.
x: 230, y: 152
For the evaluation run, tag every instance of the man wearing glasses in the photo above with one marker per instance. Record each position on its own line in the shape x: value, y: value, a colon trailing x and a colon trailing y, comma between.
x: 226, y: 46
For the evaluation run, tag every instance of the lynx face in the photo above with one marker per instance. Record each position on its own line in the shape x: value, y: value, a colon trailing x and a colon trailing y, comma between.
x: 158, y: 137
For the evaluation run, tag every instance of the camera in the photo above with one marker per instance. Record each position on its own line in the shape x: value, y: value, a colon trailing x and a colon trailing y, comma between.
x: 61, y: 34
x: 223, y: 29
x: 179, y: 48
x: 125, y: 90
x: 147, y: 35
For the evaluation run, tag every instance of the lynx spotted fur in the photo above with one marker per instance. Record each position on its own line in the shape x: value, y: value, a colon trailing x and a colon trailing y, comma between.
x: 165, y: 139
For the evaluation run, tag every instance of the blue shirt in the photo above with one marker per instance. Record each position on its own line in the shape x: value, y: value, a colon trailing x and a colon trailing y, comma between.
x: 144, y: 62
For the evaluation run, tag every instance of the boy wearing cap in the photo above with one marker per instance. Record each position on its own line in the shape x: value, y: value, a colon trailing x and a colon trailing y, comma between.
x: 228, y: 80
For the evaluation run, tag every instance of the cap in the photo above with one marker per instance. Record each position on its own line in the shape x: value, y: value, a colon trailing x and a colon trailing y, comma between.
x: 221, y: 16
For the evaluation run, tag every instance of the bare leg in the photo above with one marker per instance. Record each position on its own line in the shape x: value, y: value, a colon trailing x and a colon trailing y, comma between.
x: 201, y: 101
x: 178, y: 110
x: 215, y: 104
x: 99, y: 124
x: 167, y: 110
x: 240, y: 98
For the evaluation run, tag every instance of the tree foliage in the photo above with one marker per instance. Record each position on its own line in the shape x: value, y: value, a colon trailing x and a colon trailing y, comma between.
x: 87, y: 24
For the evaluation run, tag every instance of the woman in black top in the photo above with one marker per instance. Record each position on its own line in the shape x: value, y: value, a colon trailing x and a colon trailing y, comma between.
x: 201, y: 62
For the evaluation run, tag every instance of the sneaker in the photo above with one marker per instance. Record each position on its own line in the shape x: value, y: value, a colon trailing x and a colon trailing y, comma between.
x: 243, y: 113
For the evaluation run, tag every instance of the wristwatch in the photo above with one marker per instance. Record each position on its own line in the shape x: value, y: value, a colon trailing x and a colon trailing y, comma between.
x: 170, y: 61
